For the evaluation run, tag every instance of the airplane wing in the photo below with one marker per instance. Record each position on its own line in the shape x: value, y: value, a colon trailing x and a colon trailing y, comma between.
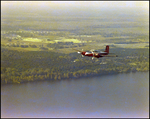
x: 77, y: 50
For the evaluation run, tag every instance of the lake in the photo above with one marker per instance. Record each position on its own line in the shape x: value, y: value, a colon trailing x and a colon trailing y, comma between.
x: 119, y: 95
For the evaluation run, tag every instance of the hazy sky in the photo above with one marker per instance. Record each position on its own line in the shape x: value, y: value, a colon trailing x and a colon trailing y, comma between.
x: 75, y: 8
x: 138, y: 4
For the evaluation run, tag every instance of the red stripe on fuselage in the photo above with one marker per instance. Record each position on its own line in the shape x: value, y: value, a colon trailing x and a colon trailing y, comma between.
x: 90, y: 54
x: 87, y: 54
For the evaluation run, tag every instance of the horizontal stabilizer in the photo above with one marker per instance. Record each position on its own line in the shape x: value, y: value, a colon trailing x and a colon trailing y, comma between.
x: 109, y: 55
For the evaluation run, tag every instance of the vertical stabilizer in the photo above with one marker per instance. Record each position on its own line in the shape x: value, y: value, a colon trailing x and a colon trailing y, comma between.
x: 107, y: 49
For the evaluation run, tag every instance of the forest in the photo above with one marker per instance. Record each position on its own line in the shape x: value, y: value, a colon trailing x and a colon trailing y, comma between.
x: 19, y: 66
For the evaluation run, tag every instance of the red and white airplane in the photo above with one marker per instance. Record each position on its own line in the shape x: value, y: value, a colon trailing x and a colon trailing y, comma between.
x: 96, y: 54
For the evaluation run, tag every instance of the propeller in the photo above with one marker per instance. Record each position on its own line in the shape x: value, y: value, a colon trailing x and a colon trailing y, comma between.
x: 94, y: 54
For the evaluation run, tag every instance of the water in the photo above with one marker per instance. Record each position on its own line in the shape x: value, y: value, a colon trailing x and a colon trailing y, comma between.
x: 122, y: 95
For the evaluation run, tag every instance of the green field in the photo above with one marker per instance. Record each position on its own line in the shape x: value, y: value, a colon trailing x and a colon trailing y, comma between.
x: 32, y: 39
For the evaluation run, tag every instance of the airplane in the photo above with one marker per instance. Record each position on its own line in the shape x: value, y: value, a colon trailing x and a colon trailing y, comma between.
x: 96, y: 53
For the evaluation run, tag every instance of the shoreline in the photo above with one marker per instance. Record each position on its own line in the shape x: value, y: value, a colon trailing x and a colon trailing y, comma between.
x: 73, y: 78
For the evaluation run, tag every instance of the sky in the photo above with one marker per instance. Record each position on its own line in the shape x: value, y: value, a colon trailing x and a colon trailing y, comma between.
x: 137, y: 4
x: 75, y: 8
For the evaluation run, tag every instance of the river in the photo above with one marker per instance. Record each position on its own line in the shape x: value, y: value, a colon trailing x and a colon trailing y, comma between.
x: 119, y: 95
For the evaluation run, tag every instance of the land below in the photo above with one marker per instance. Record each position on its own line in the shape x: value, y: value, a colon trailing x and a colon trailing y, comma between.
x: 40, y: 47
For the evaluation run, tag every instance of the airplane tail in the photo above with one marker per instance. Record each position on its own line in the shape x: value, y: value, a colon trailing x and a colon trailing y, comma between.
x: 107, y: 49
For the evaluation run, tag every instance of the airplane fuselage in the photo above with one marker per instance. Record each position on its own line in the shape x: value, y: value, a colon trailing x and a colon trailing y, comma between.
x: 93, y: 54
x: 96, y: 54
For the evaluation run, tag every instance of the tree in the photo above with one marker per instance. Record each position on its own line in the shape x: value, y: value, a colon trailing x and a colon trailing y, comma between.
x: 33, y: 71
x: 47, y: 70
x: 59, y: 77
x: 55, y: 77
